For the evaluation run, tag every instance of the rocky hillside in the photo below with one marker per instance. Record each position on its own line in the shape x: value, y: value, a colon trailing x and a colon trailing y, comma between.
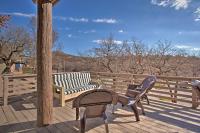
x: 66, y: 62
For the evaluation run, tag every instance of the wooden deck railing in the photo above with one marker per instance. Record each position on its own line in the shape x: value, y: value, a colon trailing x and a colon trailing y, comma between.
x: 167, y: 88
x: 170, y: 88
x: 14, y: 85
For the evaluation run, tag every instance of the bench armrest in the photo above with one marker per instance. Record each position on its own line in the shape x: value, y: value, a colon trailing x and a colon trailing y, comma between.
x: 94, y: 83
x: 55, y: 87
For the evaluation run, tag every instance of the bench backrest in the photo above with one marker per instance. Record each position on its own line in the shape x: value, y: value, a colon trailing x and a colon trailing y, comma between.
x: 71, y: 80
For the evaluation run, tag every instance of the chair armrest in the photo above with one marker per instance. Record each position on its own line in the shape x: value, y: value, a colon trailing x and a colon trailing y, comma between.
x: 123, y: 99
x: 132, y: 86
x: 132, y: 93
x: 115, y: 99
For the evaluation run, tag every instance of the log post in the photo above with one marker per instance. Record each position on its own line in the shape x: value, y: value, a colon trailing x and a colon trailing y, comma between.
x: 44, y: 62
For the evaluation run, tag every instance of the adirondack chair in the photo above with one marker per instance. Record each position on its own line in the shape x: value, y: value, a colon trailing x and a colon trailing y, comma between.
x: 133, y: 97
x: 94, y: 104
x: 133, y: 89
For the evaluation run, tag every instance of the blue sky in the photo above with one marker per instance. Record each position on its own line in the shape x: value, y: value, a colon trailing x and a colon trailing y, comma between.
x: 82, y: 23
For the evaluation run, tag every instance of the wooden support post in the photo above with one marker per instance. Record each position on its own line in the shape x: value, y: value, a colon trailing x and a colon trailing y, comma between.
x: 5, y: 90
x: 44, y: 63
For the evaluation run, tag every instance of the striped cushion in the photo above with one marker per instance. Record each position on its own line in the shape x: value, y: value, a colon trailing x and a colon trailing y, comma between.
x: 75, y: 79
x: 61, y: 80
x: 75, y: 90
x: 73, y: 82
x: 85, y: 78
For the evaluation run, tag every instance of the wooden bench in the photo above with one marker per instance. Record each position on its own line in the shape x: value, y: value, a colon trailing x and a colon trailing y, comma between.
x: 70, y: 85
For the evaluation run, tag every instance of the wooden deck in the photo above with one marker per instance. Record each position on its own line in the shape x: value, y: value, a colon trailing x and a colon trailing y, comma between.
x: 161, y: 117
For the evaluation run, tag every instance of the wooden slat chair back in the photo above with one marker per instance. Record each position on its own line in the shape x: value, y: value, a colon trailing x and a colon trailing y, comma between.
x: 94, y: 103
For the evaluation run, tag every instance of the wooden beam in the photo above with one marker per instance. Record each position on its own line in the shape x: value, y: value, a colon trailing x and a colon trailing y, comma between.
x: 52, y: 1
x: 44, y: 63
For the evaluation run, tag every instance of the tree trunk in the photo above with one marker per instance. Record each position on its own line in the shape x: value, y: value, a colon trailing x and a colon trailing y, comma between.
x: 7, y: 70
x: 44, y: 63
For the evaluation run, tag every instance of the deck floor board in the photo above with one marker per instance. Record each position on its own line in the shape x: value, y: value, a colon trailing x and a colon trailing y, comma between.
x: 161, y: 117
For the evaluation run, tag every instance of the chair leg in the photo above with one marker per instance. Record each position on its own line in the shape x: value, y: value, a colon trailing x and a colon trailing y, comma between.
x: 113, y: 108
x: 77, y: 113
x: 106, y: 122
x: 141, y: 106
x: 147, y: 99
x: 135, y: 110
x: 82, y: 124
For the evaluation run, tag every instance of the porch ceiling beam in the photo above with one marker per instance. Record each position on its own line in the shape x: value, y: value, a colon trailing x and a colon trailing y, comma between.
x: 51, y: 1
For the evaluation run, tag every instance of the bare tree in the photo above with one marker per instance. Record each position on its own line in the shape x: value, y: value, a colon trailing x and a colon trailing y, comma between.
x: 33, y: 27
x: 33, y: 31
x: 179, y: 62
x: 107, y: 53
x: 59, y: 58
x: 3, y: 20
x: 159, y: 57
x: 136, y: 57
x: 15, y: 43
x: 194, y: 65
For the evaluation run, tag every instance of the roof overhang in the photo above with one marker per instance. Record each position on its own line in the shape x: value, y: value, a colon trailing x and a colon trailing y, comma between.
x: 52, y: 1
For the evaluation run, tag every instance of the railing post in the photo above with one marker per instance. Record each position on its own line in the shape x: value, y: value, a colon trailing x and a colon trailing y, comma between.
x: 176, y: 92
x: 1, y: 86
x: 171, y: 91
x: 97, y: 77
x: 5, y: 90
x: 194, y: 98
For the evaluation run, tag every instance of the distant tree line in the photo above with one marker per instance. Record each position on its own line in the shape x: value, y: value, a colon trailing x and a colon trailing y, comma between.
x: 18, y: 45
x: 135, y: 57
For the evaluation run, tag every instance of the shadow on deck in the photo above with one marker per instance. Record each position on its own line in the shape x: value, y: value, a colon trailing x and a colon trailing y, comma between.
x: 161, y: 117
